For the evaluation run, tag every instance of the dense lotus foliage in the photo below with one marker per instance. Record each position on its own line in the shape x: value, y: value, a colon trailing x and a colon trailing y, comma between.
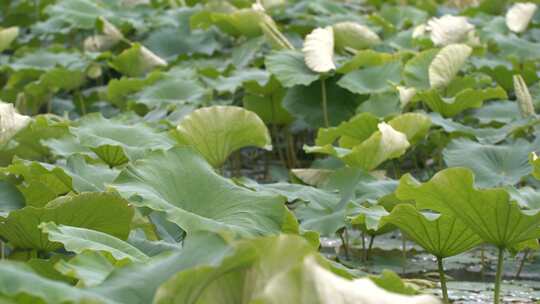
x: 268, y: 151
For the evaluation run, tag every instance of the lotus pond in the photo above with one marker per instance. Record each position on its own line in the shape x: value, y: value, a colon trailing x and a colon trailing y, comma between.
x: 269, y: 151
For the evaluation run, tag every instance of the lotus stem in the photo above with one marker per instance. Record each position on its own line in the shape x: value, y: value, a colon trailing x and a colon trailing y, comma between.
x: 498, y: 277
x: 344, y: 242
x: 370, y: 247
x: 324, y: 103
x: 404, y: 253
x: 442, y: 278
x: 364, y: 251
x: 522, y: 263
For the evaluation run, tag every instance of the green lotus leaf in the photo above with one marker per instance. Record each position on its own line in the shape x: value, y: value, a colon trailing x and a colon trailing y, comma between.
x: 493, y: 165
x: 269, y: 107
x: 257, y: 273
x: 387, y: 143
x: 535, y: 162
x: 78, y: 240
x: 118, y: 90
x: 259, y: 259
x: 371, y: 219
x: 137, y: 61
x: 173, y: 42
x: 218, y: 131
x: 183, y: 185
x: 466, y: 99
x: 89, y: 268
x: 350, y: 133
x: 441, y: 235
x: 290, y: 69
x: 27, y: 143
x: 377, y: 79
x: 416, y: 70
x: 363, y: 146
x: 21, y: 283
x: 137, y: 283
x: 42, y: 182
x: 46, y: 60
x: 112, y: 141
x: 79, y: 13
x: 304, y: 102
x: 10, y: 197
x: 488, y: 212
x: 7, y: 36
x: 366, y: 58
x: 170, y: 90
x: 233, y: 21
x: 234, y: 81
x: 104, y: 212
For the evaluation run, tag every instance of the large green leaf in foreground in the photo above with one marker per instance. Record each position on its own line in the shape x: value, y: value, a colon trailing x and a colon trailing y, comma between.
x: 488, y: 212
x: 104, y: 212
x: 182, y: 184
x: 441, y: 235
x: 218, y: 131
x: 257, y: 273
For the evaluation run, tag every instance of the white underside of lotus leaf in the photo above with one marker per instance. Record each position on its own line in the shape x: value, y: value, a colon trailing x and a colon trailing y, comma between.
x: 320, y: 286
x: 151, y: 59
x: 354, y: 35
x: 319, y: 50
x: 447, y: 64
x: 519, y: 16
x: 405, y: 95
x: 392, y: 139
x: 449, y: 29
x: 11, y: 122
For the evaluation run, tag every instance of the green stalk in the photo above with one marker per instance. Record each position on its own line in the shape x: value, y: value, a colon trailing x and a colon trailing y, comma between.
x: 498, y: 277
x: 404, y: 254
x: 324, y: 103
x: 442, y: 278
x: 522, y: 263
x: 370, y: 247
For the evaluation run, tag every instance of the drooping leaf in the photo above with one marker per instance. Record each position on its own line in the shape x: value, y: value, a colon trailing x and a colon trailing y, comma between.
x: 441, y: 235
x: 183, y: 185
x: 319, y: 50
x: 7, y: 36
x: 488, y: 212
x: 137, y: 61
x: 89, y: 268
x: 466, y: 99
x: 215, y: 132
x: 137, y: 283
x: 519, y: 16
x: 19, y: 282
x: 11, y: 122
x: 104, y: 212
x: 354, y: 35
x: 449, y: 29
x: 447, y: 64
x: 78, y: 240
x: 256, y: 272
